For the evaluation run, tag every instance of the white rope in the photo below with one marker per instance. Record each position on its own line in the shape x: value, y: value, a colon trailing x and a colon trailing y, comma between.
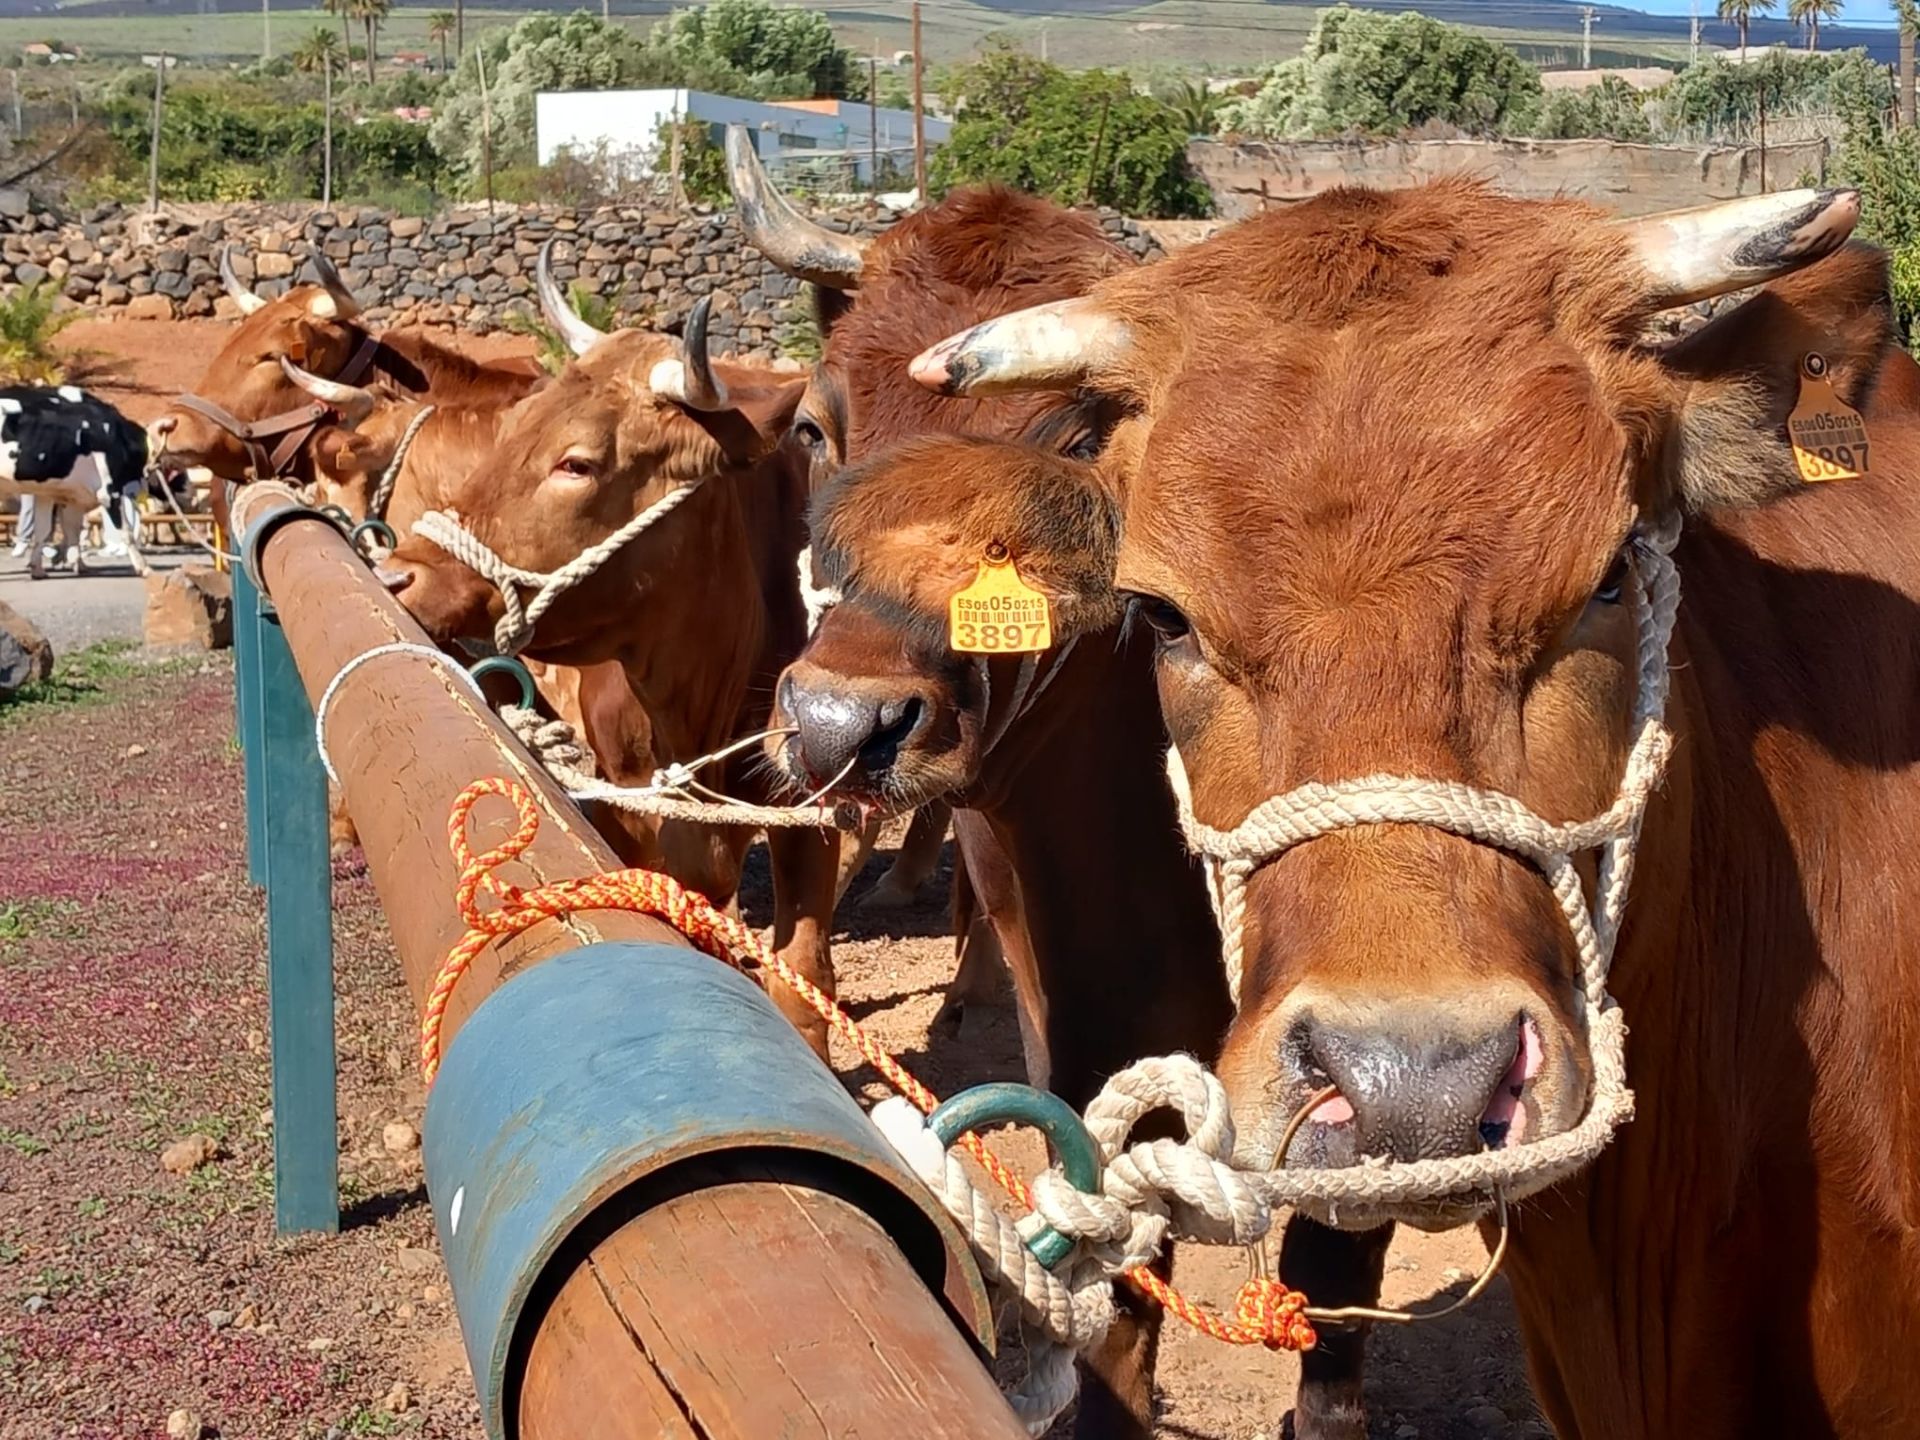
x: 515, y: 627
x: 398, y: 647
x: 383, y: 492
x: 673, y: 792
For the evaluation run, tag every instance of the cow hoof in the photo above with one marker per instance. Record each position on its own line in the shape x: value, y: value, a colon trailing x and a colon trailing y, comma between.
x: 889, y: 894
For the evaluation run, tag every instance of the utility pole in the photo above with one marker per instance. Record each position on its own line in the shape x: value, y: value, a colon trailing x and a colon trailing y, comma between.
x: 873, y: 120
x: 266, y: 30
x: 1043, y: 44
x: 919, y: 114
x: 19, y: 130
x: 1586, y: 37
x: 486, y: 126
x: 606, y: 12
x: 153, y: 151
x: 326, y: 92
x: 1693, y: 47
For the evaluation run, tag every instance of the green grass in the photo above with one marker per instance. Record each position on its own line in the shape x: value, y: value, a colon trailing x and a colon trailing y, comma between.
x: 22, y: 1142
x: 23, y: 919
x: 84, y: 677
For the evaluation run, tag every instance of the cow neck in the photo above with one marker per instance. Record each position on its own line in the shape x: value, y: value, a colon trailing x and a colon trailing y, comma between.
x: 289, y: 429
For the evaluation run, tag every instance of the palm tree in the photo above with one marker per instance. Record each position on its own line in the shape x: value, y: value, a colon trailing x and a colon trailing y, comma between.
x: 322, y: 51
x: 1810, y: 13
x: 371, y: 12
x: 1197, y: 106
x: 440, y: 26
x: 344, y: 9
x: 1741, y: 13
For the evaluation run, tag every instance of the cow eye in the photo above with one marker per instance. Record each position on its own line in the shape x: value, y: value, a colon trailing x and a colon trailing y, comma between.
x: 577, y: 466
x: 1611, y: 584
x: 810, y: 435
x: 1085, y: 446
x: 1162, y: 616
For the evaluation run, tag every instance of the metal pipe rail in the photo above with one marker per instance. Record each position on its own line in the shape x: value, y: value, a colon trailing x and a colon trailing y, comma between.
x: 661, y: 1214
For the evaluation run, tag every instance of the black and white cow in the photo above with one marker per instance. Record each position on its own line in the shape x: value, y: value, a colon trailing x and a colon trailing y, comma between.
x: 66, y: 447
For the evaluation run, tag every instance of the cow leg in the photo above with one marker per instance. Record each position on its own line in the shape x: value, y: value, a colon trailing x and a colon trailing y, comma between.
x: 1333, y: 1268
x: 1116, y: 1382
x: 341, y: 836
x: 918, y: 858
x: 854, y: 850
x: 39, y: 534
x: 805, y: 865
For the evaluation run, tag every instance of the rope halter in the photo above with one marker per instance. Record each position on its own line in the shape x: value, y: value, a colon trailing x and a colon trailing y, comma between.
x: 1486, y: 817
x: 514, y: 629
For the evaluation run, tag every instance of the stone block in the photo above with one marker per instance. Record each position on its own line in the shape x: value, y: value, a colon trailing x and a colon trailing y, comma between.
x: 189, y: 609
x: 25, y: 655
x: 273, y: 265
x: 405, y: 227
x: 150, y: 307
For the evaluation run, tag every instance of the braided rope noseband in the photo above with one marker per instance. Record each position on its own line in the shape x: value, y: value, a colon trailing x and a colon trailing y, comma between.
x: 1488, y: 818
x: 515, y: 628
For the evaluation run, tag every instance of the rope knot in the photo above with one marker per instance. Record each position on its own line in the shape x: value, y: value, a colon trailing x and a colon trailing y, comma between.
x: 1276, y: 1314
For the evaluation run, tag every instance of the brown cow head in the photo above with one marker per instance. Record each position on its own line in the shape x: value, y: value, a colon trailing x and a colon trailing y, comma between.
x: 880, y: 660
x: 883, y: 704
x: 1391, y: 542
x: 315, y: 326
x: 635, y: 416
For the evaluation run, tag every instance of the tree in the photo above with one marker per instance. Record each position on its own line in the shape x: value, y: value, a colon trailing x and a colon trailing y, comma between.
x: 1368, y: 73
x: 543, y: 51
x: 370, y: 13
x: 441, y: 25
x: 1196, y: 105
x: 1075, y: 137
x: 1611, y: 110
x: 774, y: 51
x: 1810, y: 13
x: 344, y: 9
x: 1741, y: 13
x: 321, y: 52
x: 1908, y: 12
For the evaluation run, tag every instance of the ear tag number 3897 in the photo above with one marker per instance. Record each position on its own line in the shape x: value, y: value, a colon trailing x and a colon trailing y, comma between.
x: 999, y: 613
x: 1829, y: 437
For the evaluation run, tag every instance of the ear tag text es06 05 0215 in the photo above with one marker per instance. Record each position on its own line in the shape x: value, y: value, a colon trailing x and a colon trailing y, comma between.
x: 999, y: 613
x: 1829, y: 437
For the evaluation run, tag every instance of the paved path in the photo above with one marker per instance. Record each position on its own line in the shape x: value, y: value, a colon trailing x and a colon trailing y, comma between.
x: 106, y: 603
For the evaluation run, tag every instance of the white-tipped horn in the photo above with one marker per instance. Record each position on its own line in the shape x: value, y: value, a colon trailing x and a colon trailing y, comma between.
x: 1059, y: 346
x: 1709, y: 250
x: 238, y: 293
x: 781, y: 233
x: 353, y: 403
x: 579, y: 335
x: 691, y: 382
x: 343, y: 306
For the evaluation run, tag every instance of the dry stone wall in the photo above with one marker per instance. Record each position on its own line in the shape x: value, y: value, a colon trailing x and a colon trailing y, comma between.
x: 461, y: 267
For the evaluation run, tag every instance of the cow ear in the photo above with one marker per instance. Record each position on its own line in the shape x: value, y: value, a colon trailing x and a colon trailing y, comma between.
x: 1743, y: 375
x: 759, y: 413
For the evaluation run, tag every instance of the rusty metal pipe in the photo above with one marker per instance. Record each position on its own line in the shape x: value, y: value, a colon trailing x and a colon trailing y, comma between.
x: 751, y: 1274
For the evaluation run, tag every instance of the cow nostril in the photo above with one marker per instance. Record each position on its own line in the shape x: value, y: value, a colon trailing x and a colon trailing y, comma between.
x: 164, y: 425
x: 895, y: 722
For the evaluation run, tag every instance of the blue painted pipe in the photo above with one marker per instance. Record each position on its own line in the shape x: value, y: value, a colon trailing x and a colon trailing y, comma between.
x: 615, y: 1064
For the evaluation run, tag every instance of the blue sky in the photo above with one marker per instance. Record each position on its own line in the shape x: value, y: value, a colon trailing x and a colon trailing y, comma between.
x: 1857, y: 12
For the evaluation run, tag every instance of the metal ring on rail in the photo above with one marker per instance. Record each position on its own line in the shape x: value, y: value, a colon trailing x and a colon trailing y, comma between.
x: 262, y: 529
x: 338, y: 515
x: 504, y: 665
x: 376, y: 528
x: 1006, y: 1103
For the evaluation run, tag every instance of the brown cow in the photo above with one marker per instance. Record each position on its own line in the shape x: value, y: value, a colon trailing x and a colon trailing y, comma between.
x: 247, y: 418
x: 1064, y: 825
x: 1356, y: 564
x: 701, y: 609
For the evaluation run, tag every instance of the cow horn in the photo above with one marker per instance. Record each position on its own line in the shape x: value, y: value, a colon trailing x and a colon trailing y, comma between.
x: 1709, y: 250
x: 342, y: 305
x: 1059, y: 346
x: 353, y: 403
x: 579, y: 335
x: 778, y: 231
x: 691, y: 382
x: 238, y: 293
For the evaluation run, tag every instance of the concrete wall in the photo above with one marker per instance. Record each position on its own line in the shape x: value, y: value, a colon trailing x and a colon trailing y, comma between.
x: 1248, y: 176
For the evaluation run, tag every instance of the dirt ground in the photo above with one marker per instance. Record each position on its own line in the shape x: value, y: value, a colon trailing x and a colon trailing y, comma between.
x: 133, y: 1013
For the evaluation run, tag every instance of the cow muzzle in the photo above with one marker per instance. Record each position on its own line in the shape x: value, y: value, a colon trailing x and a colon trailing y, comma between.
x: 846, y: 733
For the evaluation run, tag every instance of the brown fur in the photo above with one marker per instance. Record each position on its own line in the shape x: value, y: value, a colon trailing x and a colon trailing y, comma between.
x: 1386, y: 531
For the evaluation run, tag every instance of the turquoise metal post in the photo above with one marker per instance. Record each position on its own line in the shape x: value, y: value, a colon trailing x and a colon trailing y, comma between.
x: 299, y: 881
x: 246, y: 693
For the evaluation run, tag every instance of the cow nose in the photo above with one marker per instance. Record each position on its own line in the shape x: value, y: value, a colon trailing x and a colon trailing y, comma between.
x: 1424, y: 1091
x: 841, y: 727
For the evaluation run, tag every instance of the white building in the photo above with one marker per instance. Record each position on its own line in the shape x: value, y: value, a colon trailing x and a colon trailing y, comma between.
x: 830, y: 137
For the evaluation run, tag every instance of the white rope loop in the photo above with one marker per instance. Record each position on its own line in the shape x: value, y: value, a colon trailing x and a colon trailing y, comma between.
x: 383, y: 492
x: 515, y: 627
x: 398, y: 647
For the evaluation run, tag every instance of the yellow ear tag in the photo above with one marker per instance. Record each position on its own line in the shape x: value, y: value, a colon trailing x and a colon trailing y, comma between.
x: 999, y: 613
x: 1829, y: 437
